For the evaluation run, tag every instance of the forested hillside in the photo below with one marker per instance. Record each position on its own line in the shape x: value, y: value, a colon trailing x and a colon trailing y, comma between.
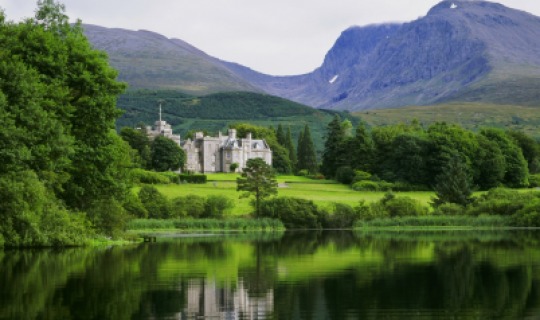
x: 218, y: 111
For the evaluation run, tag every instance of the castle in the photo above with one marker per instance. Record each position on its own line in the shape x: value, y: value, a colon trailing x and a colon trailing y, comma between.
x: 214, y: 154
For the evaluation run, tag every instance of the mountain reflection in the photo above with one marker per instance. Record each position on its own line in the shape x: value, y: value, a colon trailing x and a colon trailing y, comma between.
x: 314, y: 275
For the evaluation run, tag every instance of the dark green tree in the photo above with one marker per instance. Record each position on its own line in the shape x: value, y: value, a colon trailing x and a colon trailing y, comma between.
x: 139, y: 141
x: 259, y: 180
x: 489, y: 164
x: 307, y: 158
x: 454, y: 183
x: 290, y: 146
x: 362, y: 149
x: 280, y: 135
x: 516, y: 170
x: 529, y: 147
x: 333, y: 156
x: 166, y: 155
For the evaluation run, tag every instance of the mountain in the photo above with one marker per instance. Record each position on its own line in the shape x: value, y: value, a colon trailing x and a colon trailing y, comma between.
x: 462, y: 50
x: 148, y: 60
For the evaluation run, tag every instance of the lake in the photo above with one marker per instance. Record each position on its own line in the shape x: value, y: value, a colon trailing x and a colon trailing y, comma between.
x: 297, y: 275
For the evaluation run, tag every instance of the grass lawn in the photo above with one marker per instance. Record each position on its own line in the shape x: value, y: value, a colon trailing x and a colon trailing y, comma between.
x: 323, y: 193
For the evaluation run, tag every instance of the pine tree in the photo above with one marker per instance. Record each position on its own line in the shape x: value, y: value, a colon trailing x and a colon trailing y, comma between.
x: 453, y: 184
x: 363, y: 149
x: 290, y: 146
x: 333, y: 148
x: 307, y: 158
x: 280, y: 135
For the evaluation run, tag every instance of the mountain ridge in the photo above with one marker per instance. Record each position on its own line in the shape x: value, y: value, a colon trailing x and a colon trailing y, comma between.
x: 472, y: 51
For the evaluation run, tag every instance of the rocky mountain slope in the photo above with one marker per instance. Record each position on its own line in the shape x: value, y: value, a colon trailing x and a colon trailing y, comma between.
x: 461, y: 50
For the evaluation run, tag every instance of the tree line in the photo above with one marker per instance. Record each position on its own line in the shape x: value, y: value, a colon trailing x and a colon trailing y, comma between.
x: 418, y: 156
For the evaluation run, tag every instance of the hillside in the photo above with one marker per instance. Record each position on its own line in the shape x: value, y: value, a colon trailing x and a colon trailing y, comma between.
x: 474, y: 51
x: 148, y: 60
x: 471, y: 116
x: 216, y: 111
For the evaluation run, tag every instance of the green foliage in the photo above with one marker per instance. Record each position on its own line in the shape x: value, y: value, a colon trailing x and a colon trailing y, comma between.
x: 139, y: 141
x: 345, y: 174
x: 217, y: 206
x: 155, y: 203
x: 534, y: 181
x: 258, y: 179
x: 306, y: 157
x: 343, y: 217
x: 108, y: 216
x: 233, y: 167
x: 333, y: 148
x: 188, y: 206
x: 449, y: 209
x: 31, y: 216
x: 166, y: 155
x: 528, y: 216
x: 193, y: 178
x: 360, y: 175
x: 293, y: 212
x: 500, y: 201
x: 149, y: 177
x: 366, y: 185
x: 457, y: 221
x: 453, y: 184
x: 263, y: 224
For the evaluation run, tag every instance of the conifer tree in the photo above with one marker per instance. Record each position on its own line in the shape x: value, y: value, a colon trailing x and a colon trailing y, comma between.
x: 333, y: 148
x: 307, y: 158
x: 453, y: 184
x: 290, y: 146
x: 280, y: 135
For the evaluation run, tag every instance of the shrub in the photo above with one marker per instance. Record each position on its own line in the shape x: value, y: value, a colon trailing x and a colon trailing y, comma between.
x: 449, y: 209
x: 149, y: 177
x: 134, y: 206
x: 500, y: 201
x: 193, y: 178
x: 216, y: 206
x: 534, y: 181
x: 172, y: 176
x: 190, y: 205
x: 528, y: 216
x: 361, y: 176
x: 404, y: 206
x: 109, y: 217
x: 365, y: 185
x: 345, y: 175
x: 155, y: 203
x: 303, y: 173
x: 293, y: 212
x: 343, y: 217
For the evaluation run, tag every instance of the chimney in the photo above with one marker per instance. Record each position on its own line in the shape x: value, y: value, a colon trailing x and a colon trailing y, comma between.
x: 232, y: 134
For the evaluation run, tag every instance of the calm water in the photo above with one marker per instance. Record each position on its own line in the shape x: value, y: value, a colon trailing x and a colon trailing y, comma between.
x: 330, y: 275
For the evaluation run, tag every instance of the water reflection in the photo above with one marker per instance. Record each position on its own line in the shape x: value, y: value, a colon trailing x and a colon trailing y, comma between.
x: 312, y: 275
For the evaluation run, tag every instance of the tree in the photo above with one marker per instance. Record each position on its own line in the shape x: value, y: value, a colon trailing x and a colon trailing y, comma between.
x: 233, y: 167
x: 139, y: 141
x: 363, y: 149
x: 516, y: 170
x: 280, y: 135
x: 333, y: 147
x: 489, y: 164
x: 453, y: 184
x: 290, y: 146
x: 258, y: 179
x: 307, y: 159
x: 166, y: 155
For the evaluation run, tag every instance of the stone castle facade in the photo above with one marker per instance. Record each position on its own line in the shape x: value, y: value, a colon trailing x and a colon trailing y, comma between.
x: 206, y: 154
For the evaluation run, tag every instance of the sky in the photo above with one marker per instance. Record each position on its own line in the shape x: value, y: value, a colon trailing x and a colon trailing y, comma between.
x: 277, y: 37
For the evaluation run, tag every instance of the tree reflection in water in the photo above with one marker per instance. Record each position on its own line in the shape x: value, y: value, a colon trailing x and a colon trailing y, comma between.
x: 310, y: 275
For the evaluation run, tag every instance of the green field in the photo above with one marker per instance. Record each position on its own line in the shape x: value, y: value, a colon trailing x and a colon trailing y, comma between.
x: 472, y: 116
x: 323, y: 193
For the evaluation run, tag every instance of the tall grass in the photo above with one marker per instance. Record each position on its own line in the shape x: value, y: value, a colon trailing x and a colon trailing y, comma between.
x: 483, y: 222
x: 206, y: 224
